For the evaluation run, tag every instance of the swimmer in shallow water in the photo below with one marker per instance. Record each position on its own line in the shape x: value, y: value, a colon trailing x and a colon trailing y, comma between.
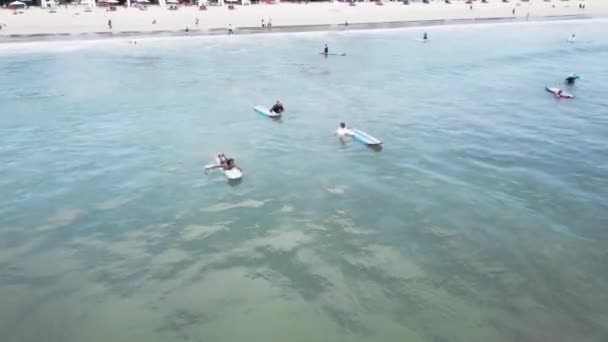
x: 343, y: 131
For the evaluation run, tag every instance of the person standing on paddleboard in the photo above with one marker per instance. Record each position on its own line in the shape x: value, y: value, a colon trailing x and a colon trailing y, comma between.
x: 277, y: 108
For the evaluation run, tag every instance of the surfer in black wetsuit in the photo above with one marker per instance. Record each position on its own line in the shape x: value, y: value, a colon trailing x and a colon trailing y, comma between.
x: 425, y: 36
x: 571, y: 79
x: 277, y: 108
x: 326, y: 50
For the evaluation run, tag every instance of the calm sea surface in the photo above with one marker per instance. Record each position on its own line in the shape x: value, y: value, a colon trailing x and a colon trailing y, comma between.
x: 483, y: 218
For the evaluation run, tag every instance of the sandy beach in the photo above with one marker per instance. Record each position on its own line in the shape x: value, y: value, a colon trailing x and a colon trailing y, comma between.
x: 74, y: 20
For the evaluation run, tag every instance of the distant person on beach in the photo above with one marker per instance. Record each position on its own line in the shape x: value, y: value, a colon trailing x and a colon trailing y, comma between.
x: 230, y: 30
x: 110, y: 24
x: 196, y: 21
x: 269, y: 23
x: 513, y: 11
x: 326, y: 50
x: 263, y: 24
x: 154, y: 22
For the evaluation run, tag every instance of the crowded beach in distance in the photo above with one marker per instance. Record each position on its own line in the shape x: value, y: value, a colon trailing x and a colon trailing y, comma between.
x: 31, y: 18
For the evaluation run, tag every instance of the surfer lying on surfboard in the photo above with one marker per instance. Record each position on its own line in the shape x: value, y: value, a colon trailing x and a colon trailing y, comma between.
x: 224, y: 163
x: 277, y: 108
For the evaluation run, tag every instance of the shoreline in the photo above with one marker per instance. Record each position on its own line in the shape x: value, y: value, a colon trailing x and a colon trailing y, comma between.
x: 86, y: 36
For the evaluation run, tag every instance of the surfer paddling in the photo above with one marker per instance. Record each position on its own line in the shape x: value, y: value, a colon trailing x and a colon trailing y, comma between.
x: 223, y: 163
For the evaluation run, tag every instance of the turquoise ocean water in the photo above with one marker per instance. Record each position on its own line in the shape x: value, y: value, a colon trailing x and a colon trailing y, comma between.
x: 483, y: 218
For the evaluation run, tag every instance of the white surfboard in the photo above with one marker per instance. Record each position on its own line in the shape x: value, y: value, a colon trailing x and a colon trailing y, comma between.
x: 265, y: 111
x: 233, y: 173
x: 365, y: 138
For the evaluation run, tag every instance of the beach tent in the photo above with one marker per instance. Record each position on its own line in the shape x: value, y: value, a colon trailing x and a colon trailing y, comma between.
x: 48, y: 3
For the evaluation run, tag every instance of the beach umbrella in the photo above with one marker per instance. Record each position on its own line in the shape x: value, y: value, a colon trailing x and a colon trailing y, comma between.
x: 172, y: 1
x: 143, y: 1
x: 16, y: 3
x: 112, y: 1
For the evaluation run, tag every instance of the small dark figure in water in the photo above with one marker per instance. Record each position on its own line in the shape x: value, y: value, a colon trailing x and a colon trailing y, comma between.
x: 326, y: 50
x: 277, y: 108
